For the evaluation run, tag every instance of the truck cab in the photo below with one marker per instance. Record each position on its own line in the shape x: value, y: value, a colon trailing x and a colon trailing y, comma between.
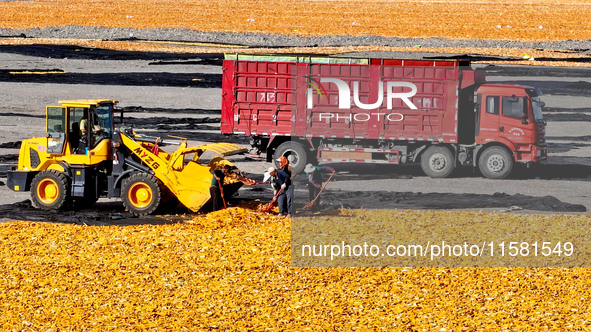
x: 509, y: 118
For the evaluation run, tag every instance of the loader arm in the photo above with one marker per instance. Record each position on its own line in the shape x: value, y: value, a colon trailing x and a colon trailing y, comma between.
x: 158, y: 165
x: 189, y: 182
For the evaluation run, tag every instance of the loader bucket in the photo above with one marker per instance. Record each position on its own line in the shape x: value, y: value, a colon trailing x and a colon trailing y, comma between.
x: 194, y: 182
x: 194, y: 179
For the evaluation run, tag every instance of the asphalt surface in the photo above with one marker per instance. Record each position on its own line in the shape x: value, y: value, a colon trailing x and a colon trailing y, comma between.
x: 180, y: 94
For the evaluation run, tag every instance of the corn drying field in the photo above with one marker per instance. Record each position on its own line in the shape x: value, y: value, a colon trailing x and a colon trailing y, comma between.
x: 463, y: 19
x: 231, y: 270
x: 503, y: 20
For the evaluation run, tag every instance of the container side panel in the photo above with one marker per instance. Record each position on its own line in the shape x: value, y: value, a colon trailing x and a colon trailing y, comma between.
x: 262, y: 98
x: 390, y: 99
x: 368, y: 102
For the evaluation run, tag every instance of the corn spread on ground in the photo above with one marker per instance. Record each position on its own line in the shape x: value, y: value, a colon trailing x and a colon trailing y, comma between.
x: 231, y: 270
x: 463, y: 19
x: 546, y: 20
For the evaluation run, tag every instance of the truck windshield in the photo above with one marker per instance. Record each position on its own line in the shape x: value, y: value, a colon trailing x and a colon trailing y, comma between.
x: 537, y: 108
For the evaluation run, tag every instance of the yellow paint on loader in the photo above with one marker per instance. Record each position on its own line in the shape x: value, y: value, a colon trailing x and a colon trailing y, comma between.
x: 56, y: 167
x: 192, y: 185
x: 47, y: 191
x: 189, y: 181
x: 73, y: 165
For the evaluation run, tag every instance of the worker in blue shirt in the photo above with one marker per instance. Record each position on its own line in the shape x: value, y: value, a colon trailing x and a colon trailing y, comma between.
x: 282, y: 182
x: 217, y: 187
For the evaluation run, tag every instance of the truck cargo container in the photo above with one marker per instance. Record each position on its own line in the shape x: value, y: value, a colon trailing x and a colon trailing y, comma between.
x: 441, y: 113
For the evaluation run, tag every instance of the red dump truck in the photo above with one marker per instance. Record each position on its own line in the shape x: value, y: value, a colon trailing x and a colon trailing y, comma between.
x: 441, y: 113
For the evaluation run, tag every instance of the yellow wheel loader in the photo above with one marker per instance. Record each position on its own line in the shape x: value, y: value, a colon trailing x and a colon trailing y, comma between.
x: 83, y: 158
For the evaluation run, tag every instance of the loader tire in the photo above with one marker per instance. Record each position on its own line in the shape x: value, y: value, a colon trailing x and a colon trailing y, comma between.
x: 50, y: 190
x: 141, y: 194
x: 438, y: 162
x: 495, y: 163
x: 294, y: 152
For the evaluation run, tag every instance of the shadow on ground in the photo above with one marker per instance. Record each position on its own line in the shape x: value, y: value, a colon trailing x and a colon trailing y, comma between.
x: 579, y: 169
x: 415, y: 200
x: 101, y: 214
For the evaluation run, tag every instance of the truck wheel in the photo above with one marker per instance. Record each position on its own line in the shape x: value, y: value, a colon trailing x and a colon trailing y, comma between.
x: 495, y: 163
x: 294, y: 152
x: 141, y: 194
x: 437, y: 162
x: 50, y: 189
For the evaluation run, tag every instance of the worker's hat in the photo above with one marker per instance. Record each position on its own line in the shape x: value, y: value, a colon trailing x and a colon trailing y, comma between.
x: 282, y: 161
x: 309, y: 168
x: 271, y: 169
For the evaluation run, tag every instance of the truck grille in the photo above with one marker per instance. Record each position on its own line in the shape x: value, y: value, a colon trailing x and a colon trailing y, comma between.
x: 541, y: 135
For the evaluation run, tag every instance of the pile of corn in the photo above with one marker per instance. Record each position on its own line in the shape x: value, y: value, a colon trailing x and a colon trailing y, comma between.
x: 230, y: 270
x: 463, y: 19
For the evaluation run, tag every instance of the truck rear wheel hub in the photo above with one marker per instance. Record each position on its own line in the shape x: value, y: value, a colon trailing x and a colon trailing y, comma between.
x: 438, y: 162
x: 495, y: 163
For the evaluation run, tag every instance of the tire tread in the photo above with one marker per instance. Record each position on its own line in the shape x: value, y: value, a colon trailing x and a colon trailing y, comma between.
x: 61, y: 180
x: 157, y: 191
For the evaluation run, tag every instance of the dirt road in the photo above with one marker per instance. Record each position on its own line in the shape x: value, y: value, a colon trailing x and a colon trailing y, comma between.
x: 180, y: 94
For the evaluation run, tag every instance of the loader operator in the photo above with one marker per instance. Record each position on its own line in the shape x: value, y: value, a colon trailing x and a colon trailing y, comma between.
x: 84, y: 142
x: 217, y: 187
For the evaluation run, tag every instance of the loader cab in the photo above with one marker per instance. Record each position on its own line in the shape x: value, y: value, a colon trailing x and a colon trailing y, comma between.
x: 56, y: 120
x: 89, y: 126
x: 79, y: 127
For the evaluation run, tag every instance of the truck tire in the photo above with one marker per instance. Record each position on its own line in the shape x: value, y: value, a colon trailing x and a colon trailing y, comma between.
x: 141, y: 194
x: 294, y: 152
x: 495, y: 163
x: 438, y: 162
x: 50, y: 189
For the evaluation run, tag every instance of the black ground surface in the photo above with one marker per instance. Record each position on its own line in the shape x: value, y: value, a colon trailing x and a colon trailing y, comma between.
x: 436, y: 201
